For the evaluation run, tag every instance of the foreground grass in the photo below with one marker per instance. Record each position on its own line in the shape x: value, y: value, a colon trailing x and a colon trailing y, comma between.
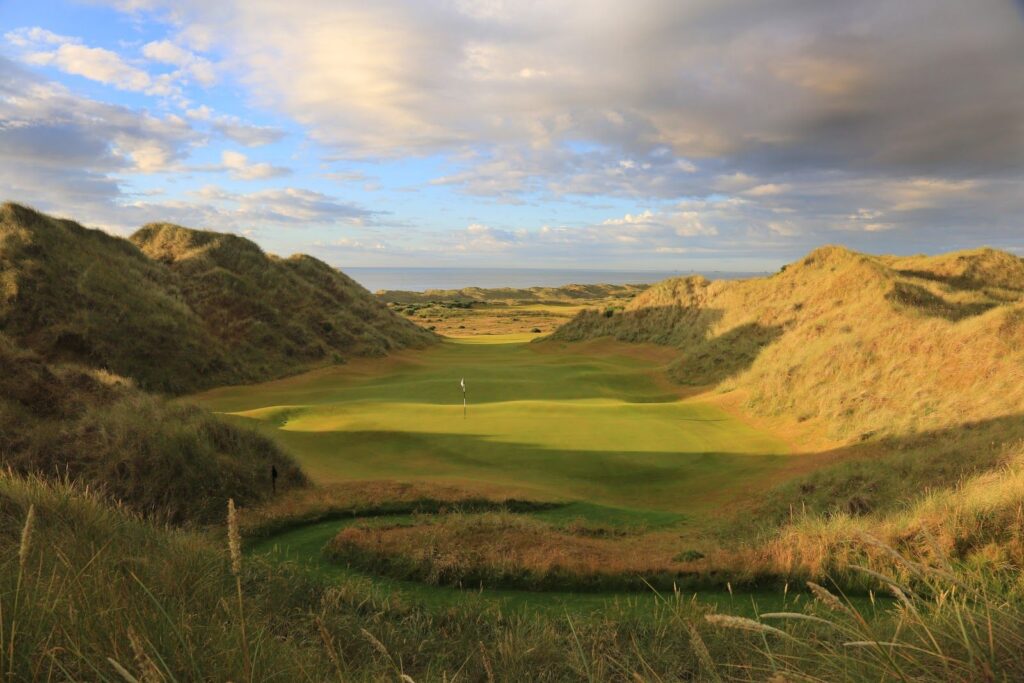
x: 92, y: 592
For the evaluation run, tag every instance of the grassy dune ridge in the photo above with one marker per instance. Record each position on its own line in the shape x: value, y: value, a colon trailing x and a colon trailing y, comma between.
x: 91, y: 323
x: 858, y: 345
x: 178, y: 309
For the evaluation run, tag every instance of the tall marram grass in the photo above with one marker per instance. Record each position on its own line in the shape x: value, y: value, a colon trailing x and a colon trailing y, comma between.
x: 93, y: 592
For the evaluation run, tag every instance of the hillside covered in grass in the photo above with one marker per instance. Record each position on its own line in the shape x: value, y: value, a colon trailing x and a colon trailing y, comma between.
x: 173, y: 461
x: 178, y: 309
x: 91, y: 325
x: 860, y: 345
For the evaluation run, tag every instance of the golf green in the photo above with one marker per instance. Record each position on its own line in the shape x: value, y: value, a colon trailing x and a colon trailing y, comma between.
x: 593, y: 423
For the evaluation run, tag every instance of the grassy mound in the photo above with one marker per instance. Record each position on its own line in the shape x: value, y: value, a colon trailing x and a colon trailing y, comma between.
x: 861, y: 345
x: 503, y: 549
x: 272, y: 315
x: 174, y: 461
x: 180, y: 309
x: 74, y: 294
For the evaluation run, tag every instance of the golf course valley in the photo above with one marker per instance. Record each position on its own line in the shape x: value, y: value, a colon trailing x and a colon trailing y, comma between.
x: 221, y: 464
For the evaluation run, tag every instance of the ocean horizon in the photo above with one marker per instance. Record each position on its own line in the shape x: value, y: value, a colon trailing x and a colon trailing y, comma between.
x: 422, y: 279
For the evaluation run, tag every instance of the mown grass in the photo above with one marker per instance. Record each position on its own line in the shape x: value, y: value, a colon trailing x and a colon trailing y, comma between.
x: 542, y: 423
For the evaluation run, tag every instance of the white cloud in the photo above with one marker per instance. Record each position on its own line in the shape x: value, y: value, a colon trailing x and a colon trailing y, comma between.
x: 97, y: 64
x: 166, y: 52
x: 238, y: 165
x: 767, y: 190
x: 234, y: 129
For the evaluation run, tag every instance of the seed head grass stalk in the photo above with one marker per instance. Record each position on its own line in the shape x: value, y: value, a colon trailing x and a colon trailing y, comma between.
x: 235, y: 551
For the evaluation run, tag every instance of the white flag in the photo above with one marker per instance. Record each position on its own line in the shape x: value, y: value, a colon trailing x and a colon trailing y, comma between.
x: 462, y: 383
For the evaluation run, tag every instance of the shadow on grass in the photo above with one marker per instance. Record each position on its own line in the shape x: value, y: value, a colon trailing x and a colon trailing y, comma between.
x: 709, y: 359
x: 920, y: 299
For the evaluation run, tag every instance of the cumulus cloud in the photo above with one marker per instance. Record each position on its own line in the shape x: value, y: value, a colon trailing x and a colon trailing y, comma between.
x: 39, y: 47
x: 291, y: 206
x: 97, y: 64
x: 239, y: 167
x: 795, y: 84
x: 43, y: 126
x: 166, y: 52
x: 732, y: 126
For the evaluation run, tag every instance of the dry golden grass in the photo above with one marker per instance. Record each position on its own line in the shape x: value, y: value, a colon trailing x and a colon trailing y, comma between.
x: 505, y: 549
x: 979, y: 523
x: 857, y: 345
x: 372, y: 498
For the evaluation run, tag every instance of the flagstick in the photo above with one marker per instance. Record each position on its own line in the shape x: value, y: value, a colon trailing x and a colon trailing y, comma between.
x: 462, y: 383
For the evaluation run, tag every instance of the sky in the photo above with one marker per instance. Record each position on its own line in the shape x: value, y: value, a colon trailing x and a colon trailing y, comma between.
x: 648, y: 134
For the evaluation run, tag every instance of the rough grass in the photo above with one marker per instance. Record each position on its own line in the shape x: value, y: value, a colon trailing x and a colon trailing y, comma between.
x: 90, y: 592
x: 503, y: 549
x: 859, y: 345
x: 564, y: 294
x: 308, y: 505
x: 978, y: 522
x: 178, y: 309
x: 175, y: 462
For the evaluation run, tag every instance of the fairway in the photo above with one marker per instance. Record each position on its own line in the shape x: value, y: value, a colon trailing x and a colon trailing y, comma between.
x: 592, y: 423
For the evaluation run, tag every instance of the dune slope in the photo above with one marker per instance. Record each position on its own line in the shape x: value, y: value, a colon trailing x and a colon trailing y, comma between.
x: 864, y: 345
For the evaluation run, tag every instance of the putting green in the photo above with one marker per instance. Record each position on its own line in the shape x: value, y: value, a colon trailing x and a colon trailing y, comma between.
x: 596, y: 424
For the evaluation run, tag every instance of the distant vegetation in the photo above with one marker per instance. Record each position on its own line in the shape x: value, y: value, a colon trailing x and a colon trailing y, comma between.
x: 565, y: 293
x: 476, y: 311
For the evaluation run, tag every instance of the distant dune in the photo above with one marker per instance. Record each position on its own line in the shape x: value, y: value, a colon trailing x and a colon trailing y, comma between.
x: 566, y: 293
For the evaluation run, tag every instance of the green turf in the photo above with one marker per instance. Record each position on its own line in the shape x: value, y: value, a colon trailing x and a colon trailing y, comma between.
x: 545, y: 421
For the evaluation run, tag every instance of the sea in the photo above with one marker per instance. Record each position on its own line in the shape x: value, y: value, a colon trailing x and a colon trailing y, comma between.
x: 421, y: 279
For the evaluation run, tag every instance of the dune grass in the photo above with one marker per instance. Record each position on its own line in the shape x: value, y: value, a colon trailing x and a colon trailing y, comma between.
x: 91, y: 592
x: 859, y: 346
x: 177, y: 309
x: 172, y: 461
